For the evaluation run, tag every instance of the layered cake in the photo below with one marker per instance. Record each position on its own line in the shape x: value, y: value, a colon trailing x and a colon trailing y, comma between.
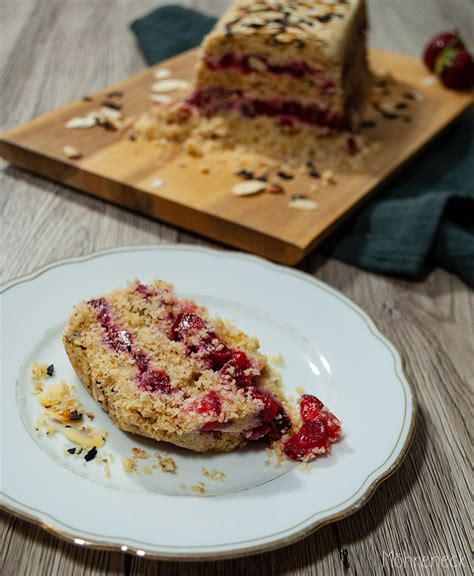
x: 160, y: 366
x: 299, y: 62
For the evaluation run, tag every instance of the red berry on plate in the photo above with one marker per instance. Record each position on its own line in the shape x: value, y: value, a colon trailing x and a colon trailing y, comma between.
x: 437, y: 44
x: 310, y: 407
x: 456, y: 69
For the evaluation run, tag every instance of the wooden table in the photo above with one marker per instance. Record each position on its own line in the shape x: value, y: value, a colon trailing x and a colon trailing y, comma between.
x: 52, y: 51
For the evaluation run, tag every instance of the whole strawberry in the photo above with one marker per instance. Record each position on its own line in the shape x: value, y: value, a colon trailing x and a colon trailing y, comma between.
x: 437, y: 44
x: 455, y: 68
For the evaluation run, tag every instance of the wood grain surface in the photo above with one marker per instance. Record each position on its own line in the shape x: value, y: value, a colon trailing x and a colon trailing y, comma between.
x: 121, y: 171
x: 53, y: 50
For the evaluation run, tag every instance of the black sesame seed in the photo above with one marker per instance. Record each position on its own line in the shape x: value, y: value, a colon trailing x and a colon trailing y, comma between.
x: 91, y: 454
x: 75, y: 415
x: 71, y: 450
x: 324, y: 18
x: 87, y: 99
x: 50, y: 370
x: 132, y: 137
x: 368, y: 124
x: 262, y: 178
x: 106, y: 124
x: 314, y: 174
x: 115, y: 94
x: 401, y: 105
x: 285, y: 175
x: 388, y: 115
x: 408, y: 95
x: 246, y: 174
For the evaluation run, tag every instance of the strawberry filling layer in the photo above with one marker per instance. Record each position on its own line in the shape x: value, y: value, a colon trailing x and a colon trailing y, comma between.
x: 320, y: 428
x: 211, y: 101
x: 149, y: 379
x: 255, y: 63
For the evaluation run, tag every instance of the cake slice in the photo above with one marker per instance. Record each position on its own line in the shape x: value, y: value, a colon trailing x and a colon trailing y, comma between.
x: 299, y: 62
x: 161, y: 367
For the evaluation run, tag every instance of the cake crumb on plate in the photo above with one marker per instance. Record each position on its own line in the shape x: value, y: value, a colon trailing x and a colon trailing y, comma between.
x: 168, y: 464
x: 139, y: 454
x: 199, y: 488
x: 213, y: 474
x: 129, y: 465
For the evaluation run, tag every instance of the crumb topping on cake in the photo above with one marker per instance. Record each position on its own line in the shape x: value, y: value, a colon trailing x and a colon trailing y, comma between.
x: 295, y: 22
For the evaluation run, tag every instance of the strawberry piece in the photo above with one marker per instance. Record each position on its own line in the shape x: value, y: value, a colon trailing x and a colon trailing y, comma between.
x: 319, y: 429
x: 436, y: 45
x: 455, y: 68
x: 185, y: 325
x: 271, y: 406
x: 310, y: 407
x: 210, y: 404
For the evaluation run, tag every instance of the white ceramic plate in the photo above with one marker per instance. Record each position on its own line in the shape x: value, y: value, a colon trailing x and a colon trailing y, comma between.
x: 331, y: 348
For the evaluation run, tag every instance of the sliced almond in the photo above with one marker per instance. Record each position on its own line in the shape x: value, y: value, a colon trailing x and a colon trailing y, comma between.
x: 162, y: 73
x: 327, y: 177
x: 248, y: 188
x: 86, y: 437
x: 257, y: 64
x: 156, y: 183
x: 53, y: 394
x: 171, y: 85
x: 111, y: 112
x: 252, y: 21
x: 72, y: 152
x: 284, y: 38
x: 303, y: 204
x: 81, y: 123
x: 429, y: 81
x: 160, y: 98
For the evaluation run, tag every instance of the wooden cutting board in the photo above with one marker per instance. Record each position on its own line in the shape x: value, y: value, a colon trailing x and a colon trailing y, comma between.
x: 122, y: 171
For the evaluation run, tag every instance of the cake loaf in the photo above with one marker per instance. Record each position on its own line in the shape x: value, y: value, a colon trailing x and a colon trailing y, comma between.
x: 299, y: 62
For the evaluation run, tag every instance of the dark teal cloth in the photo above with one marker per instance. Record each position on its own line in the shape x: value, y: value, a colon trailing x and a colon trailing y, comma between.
x: 421, y: 219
